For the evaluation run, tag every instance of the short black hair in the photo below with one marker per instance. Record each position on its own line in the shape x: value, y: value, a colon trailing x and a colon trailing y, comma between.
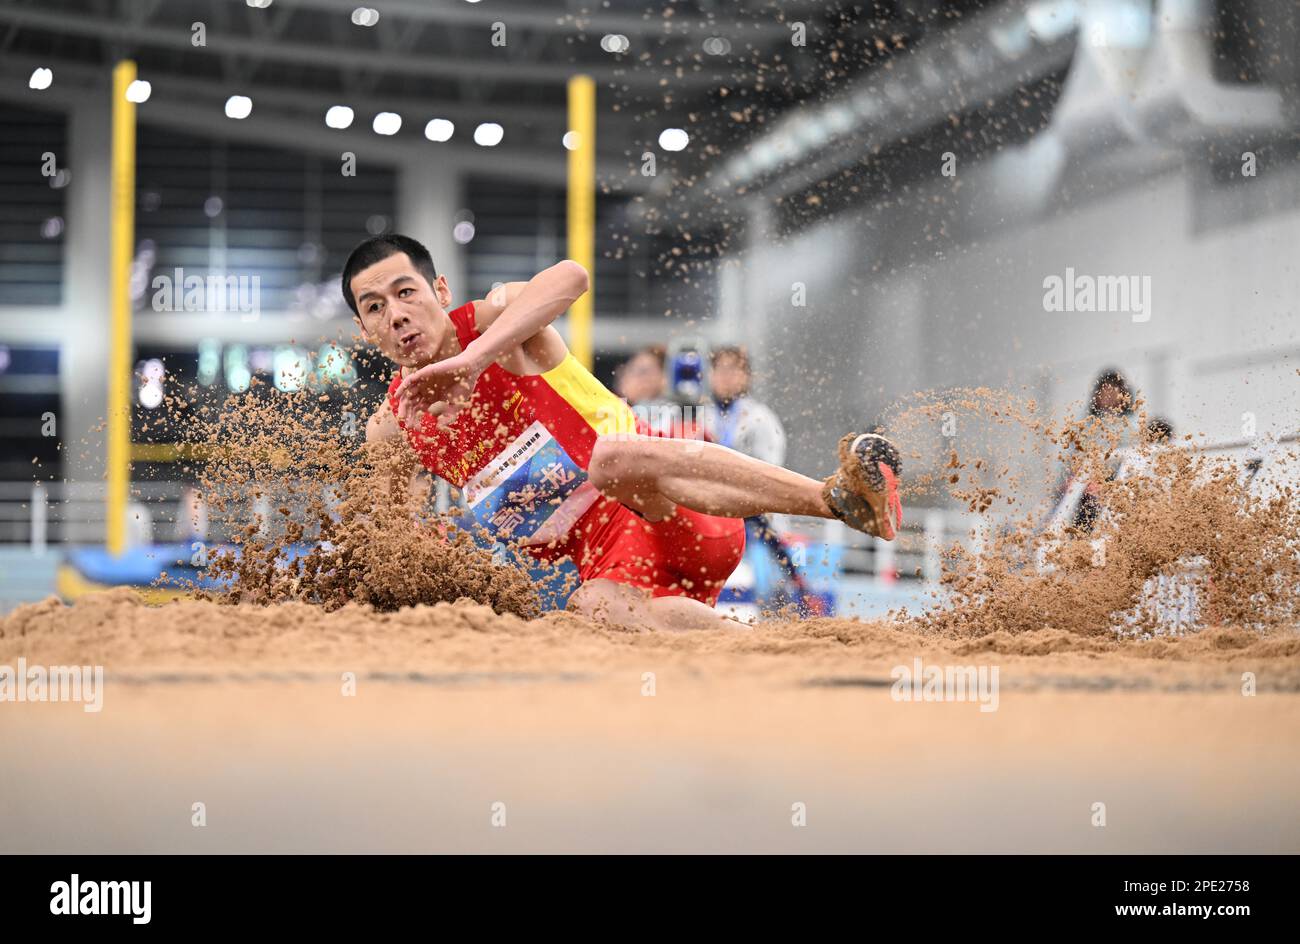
x: 1160, y: 430
x: 1110, y: 377
x: 657, y: 351
x: 379, y: 248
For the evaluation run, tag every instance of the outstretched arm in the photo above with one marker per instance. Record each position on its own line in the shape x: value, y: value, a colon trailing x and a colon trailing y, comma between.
x: 514, y: 325
x: 520, y: 314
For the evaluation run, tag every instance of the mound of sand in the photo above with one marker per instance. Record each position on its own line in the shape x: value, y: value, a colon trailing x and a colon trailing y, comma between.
x: 117, y: 630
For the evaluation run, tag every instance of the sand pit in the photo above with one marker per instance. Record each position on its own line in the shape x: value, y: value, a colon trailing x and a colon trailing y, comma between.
x: 115, y: 629
x: 399, y: 689
x: 457, y: 709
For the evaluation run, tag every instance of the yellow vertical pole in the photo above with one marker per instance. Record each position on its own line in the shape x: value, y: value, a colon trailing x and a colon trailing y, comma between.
x: 582, y: 208
x: 122, y: 237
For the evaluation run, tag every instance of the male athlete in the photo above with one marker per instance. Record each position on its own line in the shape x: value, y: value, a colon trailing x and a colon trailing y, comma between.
x: 491, y: 400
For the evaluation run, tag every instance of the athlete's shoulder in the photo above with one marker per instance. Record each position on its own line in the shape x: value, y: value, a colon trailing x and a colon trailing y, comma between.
x: 487, y: 310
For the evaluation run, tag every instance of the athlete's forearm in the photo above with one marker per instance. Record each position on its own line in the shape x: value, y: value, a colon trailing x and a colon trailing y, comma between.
x: 546, y: 296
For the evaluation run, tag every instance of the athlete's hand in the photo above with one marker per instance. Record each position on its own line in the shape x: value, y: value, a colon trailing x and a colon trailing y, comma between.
x: 441, y: 389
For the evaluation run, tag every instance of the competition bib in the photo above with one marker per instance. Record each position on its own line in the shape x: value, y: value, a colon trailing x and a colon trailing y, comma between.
x: 532, y: 492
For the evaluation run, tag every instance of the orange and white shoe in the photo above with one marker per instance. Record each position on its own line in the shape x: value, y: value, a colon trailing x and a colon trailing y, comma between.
x: 863, y: 492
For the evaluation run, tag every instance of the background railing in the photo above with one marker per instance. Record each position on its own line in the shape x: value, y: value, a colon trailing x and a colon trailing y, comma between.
x: 44, y: 513
x: 39, y: 515
x: 38, y: 519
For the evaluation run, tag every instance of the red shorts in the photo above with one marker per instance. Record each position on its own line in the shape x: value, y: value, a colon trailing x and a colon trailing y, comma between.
x: 689, y: 555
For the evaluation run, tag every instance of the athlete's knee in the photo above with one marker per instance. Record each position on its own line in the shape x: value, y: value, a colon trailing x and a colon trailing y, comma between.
x: 605, y: 601
x: 616, y: 462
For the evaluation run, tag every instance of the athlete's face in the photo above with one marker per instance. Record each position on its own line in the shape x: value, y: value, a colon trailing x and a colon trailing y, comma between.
x: 400, y: 312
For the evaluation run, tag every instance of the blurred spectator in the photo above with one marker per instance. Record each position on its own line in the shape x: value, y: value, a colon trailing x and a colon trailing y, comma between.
x: 1112, y: 403
x: 1160, y: 432
x: 735, y: 419
x: 1111, y: 395
x: 191, y: 516
x: 1157, y: 437
x: 640, y: 379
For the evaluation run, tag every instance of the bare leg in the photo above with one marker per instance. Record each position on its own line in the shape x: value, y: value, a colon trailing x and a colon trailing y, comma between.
x: 652, y: 475
x: 627, y: 607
